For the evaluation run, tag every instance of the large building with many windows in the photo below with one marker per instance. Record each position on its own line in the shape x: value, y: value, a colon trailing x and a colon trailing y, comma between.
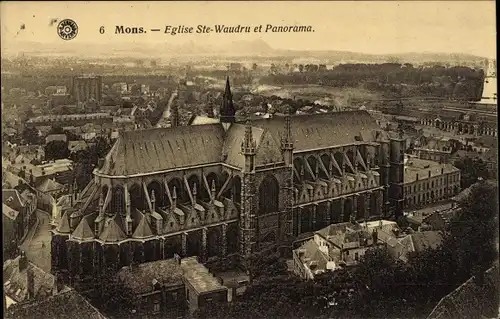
x: 428, y: 182
x: 228, y: 189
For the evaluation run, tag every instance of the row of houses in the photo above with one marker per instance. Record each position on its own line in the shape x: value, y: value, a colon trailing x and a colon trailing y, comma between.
x: 344, y: 244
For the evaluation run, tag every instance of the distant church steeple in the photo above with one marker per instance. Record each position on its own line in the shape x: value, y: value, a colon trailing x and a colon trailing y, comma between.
x: 227, y: 110
x: 174, y: 115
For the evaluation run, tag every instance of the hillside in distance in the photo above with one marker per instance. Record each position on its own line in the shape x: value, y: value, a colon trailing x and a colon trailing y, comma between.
x: 245, y: 48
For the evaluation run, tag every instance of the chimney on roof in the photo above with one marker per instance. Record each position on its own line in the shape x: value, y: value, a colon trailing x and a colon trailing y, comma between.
x: 23, y: 261
x: 30, y: 283
x: 375, y: 236
x: 58, y: 284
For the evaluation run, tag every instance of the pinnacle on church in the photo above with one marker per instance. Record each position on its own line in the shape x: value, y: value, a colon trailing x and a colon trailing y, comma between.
x: 227, y: 110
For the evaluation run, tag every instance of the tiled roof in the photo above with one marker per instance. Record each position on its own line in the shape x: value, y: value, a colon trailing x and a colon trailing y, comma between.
x: 203, y: 120
x: 50, y: 185
x: 11, y: 198
x: 198, y: 276
x: 314, y: 131
x: 143, y: 230
x: 9, y: 212
x: 232, y: 143
x: 15, y: 281
x: 140, y: 277
x: 422, y: 167
x: 426, y: 239
x: 470, y: 300
x: 83, y: 231
x: 75, y: 146
x: 112, y: 232
x: 312, y: 253
x: 11, y: 180
x: 67, y: 305
x: 63, y: 225
x: 153, y: 150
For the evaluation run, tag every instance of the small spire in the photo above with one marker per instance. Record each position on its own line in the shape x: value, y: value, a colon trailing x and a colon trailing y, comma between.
x: 288, y: 126
x: 194, y: 193
x: 101, y: 202
x: 227, y: 110
x: 213, y: 189
x: 174, y: 193
x: 248, y: 144
x: 302, y: 171
x: 153, y: 200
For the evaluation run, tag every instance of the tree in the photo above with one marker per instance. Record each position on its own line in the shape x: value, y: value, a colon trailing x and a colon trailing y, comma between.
x: 55, y: 150
x: 30, y: 135
x: 113, y: 297
x: 471, y: 169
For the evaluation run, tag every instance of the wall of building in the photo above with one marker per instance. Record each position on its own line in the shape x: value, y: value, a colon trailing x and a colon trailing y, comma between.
x: 431, y: 190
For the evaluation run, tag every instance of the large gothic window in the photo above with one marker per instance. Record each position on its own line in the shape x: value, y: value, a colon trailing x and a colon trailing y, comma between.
x: 268, y: 195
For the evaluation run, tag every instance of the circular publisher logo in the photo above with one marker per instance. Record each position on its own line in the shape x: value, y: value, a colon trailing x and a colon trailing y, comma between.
x: 67, y: 29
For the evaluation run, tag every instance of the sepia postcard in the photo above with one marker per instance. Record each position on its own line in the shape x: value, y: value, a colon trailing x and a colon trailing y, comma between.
x: 249, y: 159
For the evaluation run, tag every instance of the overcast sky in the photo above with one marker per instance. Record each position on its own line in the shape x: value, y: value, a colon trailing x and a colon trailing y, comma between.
x: 369, y: 27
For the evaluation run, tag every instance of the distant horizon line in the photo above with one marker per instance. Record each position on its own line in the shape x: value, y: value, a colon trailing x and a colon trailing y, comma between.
x: 271, y: 48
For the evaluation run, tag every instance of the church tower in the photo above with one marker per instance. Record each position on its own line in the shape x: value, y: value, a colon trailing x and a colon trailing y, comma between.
x: 227, y: 110
x: 396, y: 175
x: 287, y: 150
x: 247, y: 219
x: 174, y: 114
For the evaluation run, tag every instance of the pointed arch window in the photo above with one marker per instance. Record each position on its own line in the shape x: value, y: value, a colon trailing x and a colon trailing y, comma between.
x: 268, y: 195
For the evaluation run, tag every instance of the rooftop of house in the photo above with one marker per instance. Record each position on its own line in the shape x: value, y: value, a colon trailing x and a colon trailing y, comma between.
x: 199, y: 277
x: 15, y: 280
x: 9, y: 212
x: 419, y: 169
x: 66, y: 305
x: 471, y: 300
x: 13, y: 199
x: 140, y: 278
x: 50, y: 185
x: 67, y: 117
x: 311, y: 255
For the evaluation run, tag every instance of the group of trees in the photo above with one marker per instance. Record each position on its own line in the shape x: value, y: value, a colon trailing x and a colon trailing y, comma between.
x: 471, y: 169
x: 379, y: 287
x: 392, y: 79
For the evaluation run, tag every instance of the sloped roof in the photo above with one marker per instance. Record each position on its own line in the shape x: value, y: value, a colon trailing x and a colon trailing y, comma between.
x: 140, y: 277
x: 49, y: 185
x: 151, y: 150
x: 11, y: 180
x: 83, y: 231
x: 15, y: 281
x: 75, y: 146
x: 232, y: 143
x: 9, y: 212
x: 63, y: 225
x: 312, y: 253
x: 143, y: 230
x: 324, y: 130
x: 426, y: 239
x: 470, y: 300
x: 11, y: 198
x: 112, y: 232
x: 203, y: 120
x: 67, y: 305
